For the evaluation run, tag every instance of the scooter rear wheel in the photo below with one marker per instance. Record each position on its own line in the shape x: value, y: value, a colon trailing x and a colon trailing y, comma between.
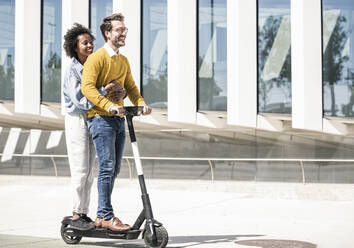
x: 161, y: 235
x: 69, y: 239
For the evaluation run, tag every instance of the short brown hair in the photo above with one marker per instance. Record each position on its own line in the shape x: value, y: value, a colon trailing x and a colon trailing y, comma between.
x: 107, y: 23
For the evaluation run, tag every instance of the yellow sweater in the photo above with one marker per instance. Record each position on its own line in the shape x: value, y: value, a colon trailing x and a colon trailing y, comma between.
x: 99, y: 70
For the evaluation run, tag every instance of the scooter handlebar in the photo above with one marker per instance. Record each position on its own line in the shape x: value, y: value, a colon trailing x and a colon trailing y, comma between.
x: 131, y: 110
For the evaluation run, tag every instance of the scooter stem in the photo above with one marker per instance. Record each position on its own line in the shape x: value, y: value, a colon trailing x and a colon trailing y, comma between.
x: 144, y: 195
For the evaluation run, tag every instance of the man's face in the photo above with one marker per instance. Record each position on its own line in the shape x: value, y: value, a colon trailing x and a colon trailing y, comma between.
x: 117, y: 34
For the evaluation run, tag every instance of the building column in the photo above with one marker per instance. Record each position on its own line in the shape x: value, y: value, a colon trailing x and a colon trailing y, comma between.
x: 131, y: 9
x: 306, y: 64
x: 27, y: 56
x: 182, y: 51
x: 70, y: 15
x: 242, y: 63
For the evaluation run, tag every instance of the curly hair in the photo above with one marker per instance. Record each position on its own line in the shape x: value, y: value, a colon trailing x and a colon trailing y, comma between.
x: 70, y: 39
x: 107, y: 23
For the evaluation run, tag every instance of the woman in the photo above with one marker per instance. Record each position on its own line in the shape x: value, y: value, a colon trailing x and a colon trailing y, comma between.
x: 78, y: 45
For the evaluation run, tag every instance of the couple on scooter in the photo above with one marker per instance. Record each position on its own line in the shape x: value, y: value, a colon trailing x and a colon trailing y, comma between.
x: 94, y: 87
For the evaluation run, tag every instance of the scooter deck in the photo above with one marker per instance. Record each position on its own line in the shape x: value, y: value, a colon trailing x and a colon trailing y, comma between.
x: 104, y: 233
x: 100, y: 232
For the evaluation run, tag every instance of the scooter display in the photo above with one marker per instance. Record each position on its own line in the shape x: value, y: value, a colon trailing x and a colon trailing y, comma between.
x: 153, y: 233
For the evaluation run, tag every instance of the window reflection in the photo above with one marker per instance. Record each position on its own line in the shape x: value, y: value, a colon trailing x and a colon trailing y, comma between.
x: 51, y: 50
x: 7, y: 37
x: 274, y: 56
x: 338, y: 57
x: 154, y: 71
x: 99, y: 9
x: 212, y: 88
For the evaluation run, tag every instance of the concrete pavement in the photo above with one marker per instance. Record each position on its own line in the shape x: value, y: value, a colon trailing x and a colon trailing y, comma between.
x: 196, y: 213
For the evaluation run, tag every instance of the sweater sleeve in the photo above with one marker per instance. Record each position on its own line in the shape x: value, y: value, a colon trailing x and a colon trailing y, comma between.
x: 92, y: 68
x: 72, y: 87
x: 132, y: 91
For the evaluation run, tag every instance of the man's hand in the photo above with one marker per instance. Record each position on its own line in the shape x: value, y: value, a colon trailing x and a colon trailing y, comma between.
x: 147, y: 110
x: 115, y: 91
x: 117, y: 110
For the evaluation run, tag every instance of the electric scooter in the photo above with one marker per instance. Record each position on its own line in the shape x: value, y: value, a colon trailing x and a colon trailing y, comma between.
x: 153, y: 233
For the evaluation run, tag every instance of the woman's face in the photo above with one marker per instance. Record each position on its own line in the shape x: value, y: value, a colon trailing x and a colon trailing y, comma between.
x: 84, y: 46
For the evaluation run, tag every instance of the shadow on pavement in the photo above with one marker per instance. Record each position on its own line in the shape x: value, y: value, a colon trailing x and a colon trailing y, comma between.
x: 189, y: 241
x: 174, y: 241
x: 15, y: 241
x: 274, y: 243
x: 112, y: 243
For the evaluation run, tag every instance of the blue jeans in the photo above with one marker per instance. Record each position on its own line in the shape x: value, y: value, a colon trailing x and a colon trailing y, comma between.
x: 108, y: 134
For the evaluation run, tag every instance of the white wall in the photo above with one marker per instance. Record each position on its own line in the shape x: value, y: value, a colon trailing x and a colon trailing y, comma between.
x: 306, y: 64
x: 27, y: 56
x: 242, y: 63
x: 182, y: 48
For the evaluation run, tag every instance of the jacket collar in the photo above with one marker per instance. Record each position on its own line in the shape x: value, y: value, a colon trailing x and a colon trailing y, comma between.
x: 77, y: 65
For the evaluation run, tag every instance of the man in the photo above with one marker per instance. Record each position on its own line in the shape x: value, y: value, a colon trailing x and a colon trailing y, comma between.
x: 108, y: 130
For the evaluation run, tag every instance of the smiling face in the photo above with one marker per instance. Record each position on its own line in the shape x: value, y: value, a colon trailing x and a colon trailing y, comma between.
x: 84, y: 47
x: 117, y: 35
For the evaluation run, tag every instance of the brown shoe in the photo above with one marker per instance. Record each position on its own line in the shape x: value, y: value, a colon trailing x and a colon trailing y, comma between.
x: 98, y: 222
x: 115, y: 224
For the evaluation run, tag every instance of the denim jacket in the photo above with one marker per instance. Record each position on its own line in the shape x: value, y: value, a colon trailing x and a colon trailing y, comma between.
x: 74, y: 100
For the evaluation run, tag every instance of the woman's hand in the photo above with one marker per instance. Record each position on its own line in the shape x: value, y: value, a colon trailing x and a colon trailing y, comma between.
x: 115, y: 91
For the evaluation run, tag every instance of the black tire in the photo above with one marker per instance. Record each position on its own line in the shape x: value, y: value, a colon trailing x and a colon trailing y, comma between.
x: 69, y: 239
x: 162, y: 238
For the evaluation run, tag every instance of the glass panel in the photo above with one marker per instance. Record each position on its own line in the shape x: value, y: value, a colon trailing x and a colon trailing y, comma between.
x: 178, y: 144
x: 155, y: 53
x: 7, y: 41
x: 212, y: 87
x: 338, y: 57
x: 274, y: 56
x: 99, y: 10
x: 51, y: 50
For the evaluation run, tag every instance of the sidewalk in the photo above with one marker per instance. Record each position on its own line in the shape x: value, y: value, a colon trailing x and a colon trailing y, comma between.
x: 196, y: 214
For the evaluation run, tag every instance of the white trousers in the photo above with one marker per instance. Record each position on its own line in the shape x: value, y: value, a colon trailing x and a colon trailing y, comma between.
x: 81, y: 154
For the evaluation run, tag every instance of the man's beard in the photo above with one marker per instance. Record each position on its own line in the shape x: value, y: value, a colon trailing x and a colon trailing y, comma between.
x: 119, y: 42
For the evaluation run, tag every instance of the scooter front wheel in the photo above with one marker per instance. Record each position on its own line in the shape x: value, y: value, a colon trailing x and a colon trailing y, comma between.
x: 68, y: 236
x: 161, y: 235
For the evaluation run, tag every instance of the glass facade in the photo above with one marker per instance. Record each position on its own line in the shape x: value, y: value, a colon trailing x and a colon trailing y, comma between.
x: 338, y: 57
x: 154, y: 53
x: 274, y: 53
x: 212, y: 85
x: 51, y: 51
x: 7, y: 51
x: 99, y: 9
x: 274, y: 56
x: 274, y: 95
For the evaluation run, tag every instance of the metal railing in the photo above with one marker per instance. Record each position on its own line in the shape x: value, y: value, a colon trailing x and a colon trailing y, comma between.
x: 210, y: 161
